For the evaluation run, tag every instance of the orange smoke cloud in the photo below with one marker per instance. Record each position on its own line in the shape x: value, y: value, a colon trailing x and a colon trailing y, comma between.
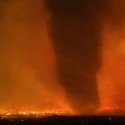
x: 111, y: 77
x: 27, y: 66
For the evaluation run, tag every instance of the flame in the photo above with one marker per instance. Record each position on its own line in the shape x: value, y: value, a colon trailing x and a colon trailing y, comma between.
x: 6, y: 113
x: 10, y: 113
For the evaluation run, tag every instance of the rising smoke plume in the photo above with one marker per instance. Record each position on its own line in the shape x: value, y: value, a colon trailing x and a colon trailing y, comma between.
x: 111, y: 76
x: 75, y: 28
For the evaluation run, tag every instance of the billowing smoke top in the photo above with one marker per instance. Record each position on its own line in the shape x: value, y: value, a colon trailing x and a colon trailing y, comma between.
x: 78, y: 7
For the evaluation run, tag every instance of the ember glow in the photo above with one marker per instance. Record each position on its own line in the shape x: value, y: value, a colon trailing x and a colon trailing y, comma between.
x: 64, y: 62
x: 29, y: 114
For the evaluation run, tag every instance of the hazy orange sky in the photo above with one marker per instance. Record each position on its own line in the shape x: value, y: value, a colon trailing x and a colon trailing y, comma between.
x: 27, y: 58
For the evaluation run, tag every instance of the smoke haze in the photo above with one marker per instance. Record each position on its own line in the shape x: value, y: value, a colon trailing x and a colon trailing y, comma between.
x: 27, y: 60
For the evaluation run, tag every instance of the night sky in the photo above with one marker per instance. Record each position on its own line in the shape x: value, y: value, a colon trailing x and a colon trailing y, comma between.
x: 58, y: 54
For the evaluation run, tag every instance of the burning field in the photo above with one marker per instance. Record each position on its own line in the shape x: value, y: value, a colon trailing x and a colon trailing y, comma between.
x: 62, y: 58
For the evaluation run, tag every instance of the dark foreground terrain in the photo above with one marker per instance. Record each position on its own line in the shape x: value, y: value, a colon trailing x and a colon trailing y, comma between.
x: 65, y: 120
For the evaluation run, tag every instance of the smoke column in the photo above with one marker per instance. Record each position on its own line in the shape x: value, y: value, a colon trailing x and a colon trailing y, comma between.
x: 111, y: 76
x: 75, y: 31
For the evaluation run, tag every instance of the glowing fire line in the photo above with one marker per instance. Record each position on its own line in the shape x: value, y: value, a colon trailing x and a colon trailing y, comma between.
x: 27, y: 114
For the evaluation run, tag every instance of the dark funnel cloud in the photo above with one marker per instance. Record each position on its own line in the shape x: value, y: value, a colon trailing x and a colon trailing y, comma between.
x: 75, y: 31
